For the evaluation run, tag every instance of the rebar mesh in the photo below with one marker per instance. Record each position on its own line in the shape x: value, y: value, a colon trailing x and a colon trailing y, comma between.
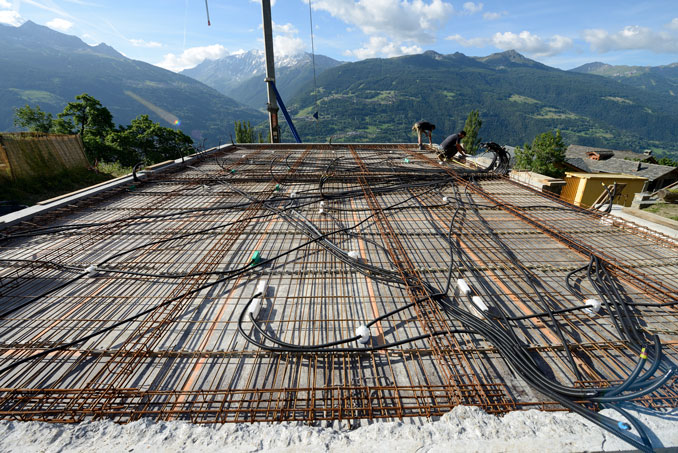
x: 155, y: 332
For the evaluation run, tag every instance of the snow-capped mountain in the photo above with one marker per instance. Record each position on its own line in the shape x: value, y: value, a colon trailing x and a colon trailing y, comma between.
x: 241, y: 75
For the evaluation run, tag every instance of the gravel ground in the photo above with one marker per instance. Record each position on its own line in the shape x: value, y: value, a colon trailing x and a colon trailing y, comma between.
x: 464, y: 429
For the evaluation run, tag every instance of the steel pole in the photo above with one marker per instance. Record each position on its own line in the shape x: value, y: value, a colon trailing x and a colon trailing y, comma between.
x: 272, y: 105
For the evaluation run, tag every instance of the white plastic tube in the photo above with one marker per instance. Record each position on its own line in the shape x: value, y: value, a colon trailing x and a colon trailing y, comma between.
x: 462, y: 287
x: 478, y: 302
x: 92, y: 270
x: 593, y: 306
x: 364, y: 333
x: 478, y: 306
x: 255, y: 306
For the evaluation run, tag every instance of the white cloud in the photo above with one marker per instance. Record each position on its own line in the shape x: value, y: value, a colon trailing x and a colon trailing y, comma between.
x: 259, y: 1
x: 378, y: 46
x: 472, y: 8
x: 673, y: 25
x: 472, y: 42
x: 286, y: 28
x: 60, y: 24
x: 531, y: 44
x: 632, y: 37
x: 399, y: 20
x: 288, y: 45
x: 286, y: 40
x: 51, y: 8
x: 142, y: 43
x: 5, y: 4
x: 83, y: 3
x: 494, y: 16
x: 524, y: 42
x: 11, y: 18
x: 192, y: 57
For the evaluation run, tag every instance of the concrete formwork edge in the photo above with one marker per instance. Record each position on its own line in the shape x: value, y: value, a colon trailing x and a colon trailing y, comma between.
x: 27, y: 213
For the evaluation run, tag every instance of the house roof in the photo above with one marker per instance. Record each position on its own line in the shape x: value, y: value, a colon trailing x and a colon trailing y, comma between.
x: 615, y: 165
x: 621, y: 176
x: 582, y: 151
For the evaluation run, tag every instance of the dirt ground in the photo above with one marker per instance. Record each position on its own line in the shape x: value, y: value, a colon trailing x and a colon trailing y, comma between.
x: 668, y: 210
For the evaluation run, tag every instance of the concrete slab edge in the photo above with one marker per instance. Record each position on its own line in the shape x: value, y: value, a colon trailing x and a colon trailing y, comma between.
x: 22, y: 215
x: 651, y: 217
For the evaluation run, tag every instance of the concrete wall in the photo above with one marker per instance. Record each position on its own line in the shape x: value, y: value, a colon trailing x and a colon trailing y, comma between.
x: 540, y: 182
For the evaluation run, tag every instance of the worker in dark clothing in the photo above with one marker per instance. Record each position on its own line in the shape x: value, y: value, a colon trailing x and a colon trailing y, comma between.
x: 426, y: 128
x: 452, y: 144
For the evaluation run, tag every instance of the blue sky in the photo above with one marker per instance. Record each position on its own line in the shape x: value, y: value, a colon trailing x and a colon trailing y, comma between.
x: 174, y: 33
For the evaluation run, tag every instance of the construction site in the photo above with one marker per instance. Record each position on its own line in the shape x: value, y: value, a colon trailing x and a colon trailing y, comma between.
x: 318, y: 282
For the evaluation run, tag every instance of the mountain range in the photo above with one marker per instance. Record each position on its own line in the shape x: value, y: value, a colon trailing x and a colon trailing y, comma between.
x: 241, y: 76
x: 518, y: 98
x: 43, y: 67
x: 373, y: 100
x: 657, y: 79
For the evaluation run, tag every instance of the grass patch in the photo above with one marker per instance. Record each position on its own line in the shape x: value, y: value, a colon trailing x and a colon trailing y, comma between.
x: 594, y: 133
x: 29, y: 191
x: 617, y: 100
x: 383, y: 97
x: 308, y: 111
x: 668, y: 210
x: 38, y: 96
x: 114, y: 169
x: 551, y: 113
x: 523, y: 99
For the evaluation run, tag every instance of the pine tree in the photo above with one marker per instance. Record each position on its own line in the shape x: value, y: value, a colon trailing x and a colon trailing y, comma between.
x: 244, y: 132
x: 473, y: 123
x: 33, y: 119
x: 544, y: 155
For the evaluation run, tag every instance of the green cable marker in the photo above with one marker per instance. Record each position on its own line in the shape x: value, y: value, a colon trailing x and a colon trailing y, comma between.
x: 277, y: 187
x: 256, y: 258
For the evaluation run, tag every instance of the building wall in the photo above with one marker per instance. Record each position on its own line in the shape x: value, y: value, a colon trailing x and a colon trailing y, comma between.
x: 583, y: 189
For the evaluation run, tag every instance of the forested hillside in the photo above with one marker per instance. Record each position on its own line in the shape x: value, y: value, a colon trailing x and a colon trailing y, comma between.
x: 379, y: 99
x: 43, y: 67
x: 662, y: 80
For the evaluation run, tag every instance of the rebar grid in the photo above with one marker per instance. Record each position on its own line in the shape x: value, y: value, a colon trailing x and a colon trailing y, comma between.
x: 159, y: 320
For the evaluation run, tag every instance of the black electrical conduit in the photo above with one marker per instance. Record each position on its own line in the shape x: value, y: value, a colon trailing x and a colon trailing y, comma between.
x: 632, y: 382
x: 514, y: 352
x: 604, y: 422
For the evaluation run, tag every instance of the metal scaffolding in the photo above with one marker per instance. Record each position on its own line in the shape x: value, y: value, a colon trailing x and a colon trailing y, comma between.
x: 128, y: 304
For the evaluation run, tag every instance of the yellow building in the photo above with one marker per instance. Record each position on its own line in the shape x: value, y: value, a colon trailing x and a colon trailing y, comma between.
x: 583, y: 189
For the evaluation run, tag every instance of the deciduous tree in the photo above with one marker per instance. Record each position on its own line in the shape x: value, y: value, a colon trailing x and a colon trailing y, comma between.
x: 88, y: 116
x: 148, y: 141
x: 33, y: 119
